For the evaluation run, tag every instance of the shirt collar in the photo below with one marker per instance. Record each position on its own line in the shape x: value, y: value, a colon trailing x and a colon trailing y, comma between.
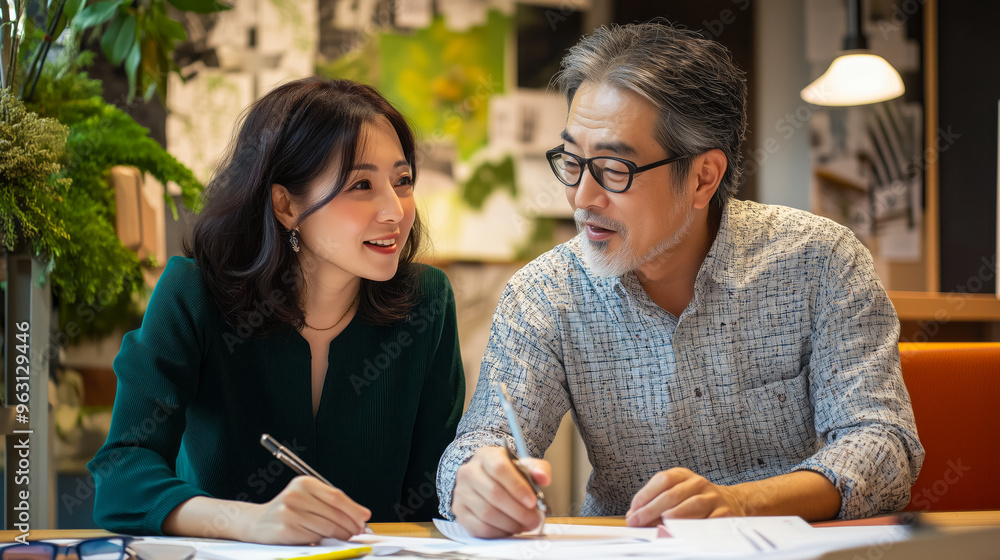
x: 718, y: 263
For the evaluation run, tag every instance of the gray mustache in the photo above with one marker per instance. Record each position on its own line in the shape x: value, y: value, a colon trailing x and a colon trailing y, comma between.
x: 582, y: 216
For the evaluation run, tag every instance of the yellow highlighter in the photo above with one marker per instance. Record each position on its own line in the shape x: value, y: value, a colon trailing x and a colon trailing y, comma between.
x: 356, y: 552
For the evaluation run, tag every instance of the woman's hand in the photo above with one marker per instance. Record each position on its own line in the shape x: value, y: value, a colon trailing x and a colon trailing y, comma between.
x: 306, y: 511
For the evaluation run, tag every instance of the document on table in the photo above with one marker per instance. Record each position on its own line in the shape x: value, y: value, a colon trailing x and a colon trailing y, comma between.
x: 734, y: 537
x: 212, y: 549
x: 576, y: 534
x: 560, y: 541
x: 772, y: 538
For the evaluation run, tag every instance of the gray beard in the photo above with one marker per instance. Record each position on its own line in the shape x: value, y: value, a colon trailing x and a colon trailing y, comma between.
x: 625, y: 259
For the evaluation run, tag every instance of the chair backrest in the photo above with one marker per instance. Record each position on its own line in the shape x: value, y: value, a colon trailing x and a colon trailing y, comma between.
x: 955, y: 389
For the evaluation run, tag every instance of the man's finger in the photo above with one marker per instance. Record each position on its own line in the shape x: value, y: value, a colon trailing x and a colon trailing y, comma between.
x: 681, y: 487
x: 658, y: 484
x: 483, y: 519
x: 502, y: 471
x: 698, y: 506
x: 540, y: 470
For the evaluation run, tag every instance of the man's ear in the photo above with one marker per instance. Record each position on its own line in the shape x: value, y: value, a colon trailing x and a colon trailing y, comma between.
x: 281, y: 202
x: 707, y: 171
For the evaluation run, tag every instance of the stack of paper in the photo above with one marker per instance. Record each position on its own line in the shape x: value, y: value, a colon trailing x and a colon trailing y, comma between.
x: 772, y: 538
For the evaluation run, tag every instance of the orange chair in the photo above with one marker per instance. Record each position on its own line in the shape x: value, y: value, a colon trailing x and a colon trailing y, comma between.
x: 955, y: 389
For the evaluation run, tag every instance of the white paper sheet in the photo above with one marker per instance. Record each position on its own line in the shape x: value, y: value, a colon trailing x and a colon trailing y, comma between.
x: 211, y: 549
x: 739, y: 535
x: 773, y: 537
x: 586, y: 535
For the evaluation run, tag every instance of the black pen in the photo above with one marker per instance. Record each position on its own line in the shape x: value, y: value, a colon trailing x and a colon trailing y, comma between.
x: 289, y: 458
x: 293, y: 461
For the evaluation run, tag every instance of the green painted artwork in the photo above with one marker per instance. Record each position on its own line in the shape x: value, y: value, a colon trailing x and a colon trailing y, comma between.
x: 440, y: 79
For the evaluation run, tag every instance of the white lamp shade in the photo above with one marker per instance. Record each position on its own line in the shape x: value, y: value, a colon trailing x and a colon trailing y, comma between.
x: 855, y: 79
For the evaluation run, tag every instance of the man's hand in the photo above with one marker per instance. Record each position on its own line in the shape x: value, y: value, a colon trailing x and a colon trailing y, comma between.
x: 492, y: 499
x: 680, y: 493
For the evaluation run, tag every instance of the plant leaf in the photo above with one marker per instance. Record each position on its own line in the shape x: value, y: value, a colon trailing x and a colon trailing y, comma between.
x: 110, y: 34
x: 169, y: 30
x: 132, y: 68
x: 124, y: 41
x: 73, y: 7
x: 96, y: 14
x: 200, y: 6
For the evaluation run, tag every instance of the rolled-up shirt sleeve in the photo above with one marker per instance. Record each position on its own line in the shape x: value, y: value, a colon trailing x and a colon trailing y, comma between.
x: 863, y: 414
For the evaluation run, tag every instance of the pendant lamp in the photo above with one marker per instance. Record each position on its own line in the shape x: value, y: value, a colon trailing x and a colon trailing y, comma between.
x: 856, y: 77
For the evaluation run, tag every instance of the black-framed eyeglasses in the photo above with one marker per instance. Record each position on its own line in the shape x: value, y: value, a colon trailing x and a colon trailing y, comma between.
x: 105, y: 548
x: 612, y: 173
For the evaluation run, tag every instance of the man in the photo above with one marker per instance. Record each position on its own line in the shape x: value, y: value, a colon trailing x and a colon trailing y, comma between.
x: 719, y: 357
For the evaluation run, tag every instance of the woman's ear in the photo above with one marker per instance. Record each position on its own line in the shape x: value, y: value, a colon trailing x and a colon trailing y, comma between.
x: 281, y: 202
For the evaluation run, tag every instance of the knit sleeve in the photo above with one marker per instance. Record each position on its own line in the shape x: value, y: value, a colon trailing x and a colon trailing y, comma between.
x: 158, y: 370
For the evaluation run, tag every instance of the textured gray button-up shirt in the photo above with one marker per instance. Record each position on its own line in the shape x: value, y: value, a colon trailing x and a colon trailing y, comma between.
x: 786, y: 359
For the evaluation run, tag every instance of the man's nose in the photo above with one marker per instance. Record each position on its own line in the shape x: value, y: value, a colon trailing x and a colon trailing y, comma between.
x: 589, y: 193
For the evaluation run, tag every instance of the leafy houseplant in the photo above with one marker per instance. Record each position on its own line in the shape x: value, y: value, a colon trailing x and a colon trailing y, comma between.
x: 71, y: 221
x: 104, y: 273
x: 140, y: 35
x: 32, y: 190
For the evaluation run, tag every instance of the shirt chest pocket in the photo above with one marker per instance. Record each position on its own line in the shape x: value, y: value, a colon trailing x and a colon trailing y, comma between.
x: 777, y: 420
x: 771, y: 343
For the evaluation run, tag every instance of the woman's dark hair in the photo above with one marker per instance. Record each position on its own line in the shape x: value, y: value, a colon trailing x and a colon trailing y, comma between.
x: 290, y: 137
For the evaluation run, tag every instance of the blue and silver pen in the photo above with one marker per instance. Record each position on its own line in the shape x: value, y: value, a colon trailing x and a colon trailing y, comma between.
x: 522, y: 449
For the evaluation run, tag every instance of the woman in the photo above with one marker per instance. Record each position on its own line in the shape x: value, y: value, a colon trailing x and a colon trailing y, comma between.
x: 299, y: 313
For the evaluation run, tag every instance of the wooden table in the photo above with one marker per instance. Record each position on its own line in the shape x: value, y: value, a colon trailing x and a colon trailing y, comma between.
x: 949, y: 521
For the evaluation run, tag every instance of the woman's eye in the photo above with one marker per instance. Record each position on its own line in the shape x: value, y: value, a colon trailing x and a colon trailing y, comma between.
x: 361, y: 185
x: 405, y: 181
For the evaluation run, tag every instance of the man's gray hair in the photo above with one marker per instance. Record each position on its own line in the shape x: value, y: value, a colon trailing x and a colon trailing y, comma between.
x: 693, y: 82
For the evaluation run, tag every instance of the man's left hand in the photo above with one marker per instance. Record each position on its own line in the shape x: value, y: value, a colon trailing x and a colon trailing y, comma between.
x: 680, y: 493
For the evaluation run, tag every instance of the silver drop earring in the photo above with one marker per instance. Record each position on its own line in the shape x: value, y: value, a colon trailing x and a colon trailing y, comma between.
x: 294, y: 240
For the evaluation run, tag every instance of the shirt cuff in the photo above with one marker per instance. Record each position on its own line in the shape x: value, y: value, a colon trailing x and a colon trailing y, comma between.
x: 458, y: 453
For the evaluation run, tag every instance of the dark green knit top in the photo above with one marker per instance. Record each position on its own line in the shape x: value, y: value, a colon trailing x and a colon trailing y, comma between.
x: 195, y: 395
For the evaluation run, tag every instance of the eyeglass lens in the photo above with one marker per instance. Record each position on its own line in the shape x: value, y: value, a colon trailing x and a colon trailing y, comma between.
x: 31, y: 551
x: 609, y: 173
x: 97, y: 549
x: 109, y: 549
